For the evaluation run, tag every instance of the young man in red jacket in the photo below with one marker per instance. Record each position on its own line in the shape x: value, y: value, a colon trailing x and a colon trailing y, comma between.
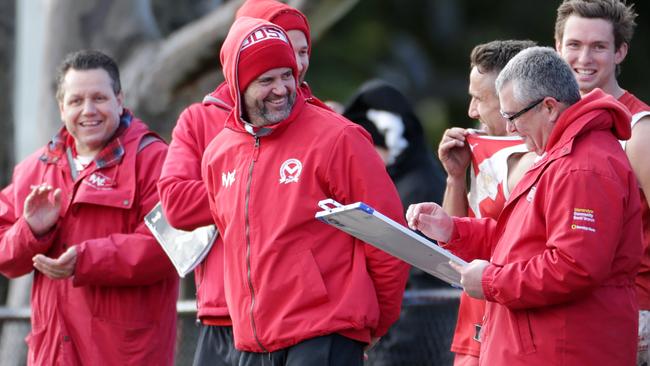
x: 104, y: 292
x: 594, y: 38
x: 486, y: 61
x: 299, y: 292
x: 183, y: 195
x: 566, y: 248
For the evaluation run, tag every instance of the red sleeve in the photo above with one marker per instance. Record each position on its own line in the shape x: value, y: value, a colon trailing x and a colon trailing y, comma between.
x: 132, y: 259
x: 17, y: 242
x: 360, y: 175
x: 472, y: 238
x: 183, y: 195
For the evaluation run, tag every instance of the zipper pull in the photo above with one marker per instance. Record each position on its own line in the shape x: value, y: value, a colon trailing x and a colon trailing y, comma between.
x: 256, y: 151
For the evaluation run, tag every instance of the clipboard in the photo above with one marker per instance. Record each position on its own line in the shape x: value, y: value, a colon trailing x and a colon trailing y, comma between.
x: 371, y: 226
x: 185, y: 249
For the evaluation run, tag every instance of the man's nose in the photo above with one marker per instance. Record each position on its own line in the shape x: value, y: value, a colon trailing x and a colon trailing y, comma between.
x: 89, y: 106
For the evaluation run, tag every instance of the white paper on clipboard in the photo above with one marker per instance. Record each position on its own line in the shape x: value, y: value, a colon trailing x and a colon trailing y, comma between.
x: 365, y: 223
x: 185, y: 249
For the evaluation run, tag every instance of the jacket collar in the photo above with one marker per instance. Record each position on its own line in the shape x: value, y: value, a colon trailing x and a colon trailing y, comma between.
x: 110, y: 155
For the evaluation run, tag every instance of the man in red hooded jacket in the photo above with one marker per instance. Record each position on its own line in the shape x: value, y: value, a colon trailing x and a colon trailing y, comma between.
x: 104, y: 292
x: 299, y: 292
x: 182, y: 193
x: 565, y: 250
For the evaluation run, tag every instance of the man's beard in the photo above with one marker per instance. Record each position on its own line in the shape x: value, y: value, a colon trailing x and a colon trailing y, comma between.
x: 270, y: 117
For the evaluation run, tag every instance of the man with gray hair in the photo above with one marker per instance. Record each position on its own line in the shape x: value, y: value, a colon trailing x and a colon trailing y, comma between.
x: 566, y: 247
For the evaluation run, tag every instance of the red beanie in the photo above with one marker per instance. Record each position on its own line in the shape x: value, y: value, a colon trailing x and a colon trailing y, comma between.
x: 293, y: 20
x: 264, y: 49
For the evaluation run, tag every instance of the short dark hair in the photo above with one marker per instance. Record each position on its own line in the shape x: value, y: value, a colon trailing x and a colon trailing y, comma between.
x: 493, y: 56
x: 616, y: 12
x: 87, y: 60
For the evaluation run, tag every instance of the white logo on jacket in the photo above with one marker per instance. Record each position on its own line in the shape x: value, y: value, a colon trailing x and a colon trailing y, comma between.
x: 290, y: 171
x: 227, y: 178
x: 98, y: 181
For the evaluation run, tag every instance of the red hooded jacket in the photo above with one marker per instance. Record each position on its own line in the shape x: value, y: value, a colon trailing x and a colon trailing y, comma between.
x: 184, y: 198
x: 290, y: 277
x: 119, y: 307
x: 565, y: 250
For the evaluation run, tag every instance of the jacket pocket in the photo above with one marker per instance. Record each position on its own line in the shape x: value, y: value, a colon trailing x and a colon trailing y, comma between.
x: 301, y: 285
x: 125, y: 344
x: 524, y: 332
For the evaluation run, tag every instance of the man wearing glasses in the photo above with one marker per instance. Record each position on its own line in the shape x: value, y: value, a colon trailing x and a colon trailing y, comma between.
x: 565, y: 250
x: 486, y: 61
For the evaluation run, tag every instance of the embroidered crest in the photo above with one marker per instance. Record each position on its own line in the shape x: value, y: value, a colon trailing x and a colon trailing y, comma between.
x: 290, y: 171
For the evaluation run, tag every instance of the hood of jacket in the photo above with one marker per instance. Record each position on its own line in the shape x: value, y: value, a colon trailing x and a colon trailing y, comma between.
x: 595, y: 111
x: 230, y: 51
x: 270, y: 10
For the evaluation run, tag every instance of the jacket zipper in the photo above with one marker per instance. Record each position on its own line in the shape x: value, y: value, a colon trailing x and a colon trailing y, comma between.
x: 248, y: 243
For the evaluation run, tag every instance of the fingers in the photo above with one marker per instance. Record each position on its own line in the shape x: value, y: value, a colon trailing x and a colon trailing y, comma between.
x: 57, y: 197
x: 68, y: 257
x: 40, y: 194
x: 413, y: 213
x: 456, y: 267
x: 58, y: 268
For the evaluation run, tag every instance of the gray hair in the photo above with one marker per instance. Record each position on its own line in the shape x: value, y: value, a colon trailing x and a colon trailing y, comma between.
x: 539, y: 72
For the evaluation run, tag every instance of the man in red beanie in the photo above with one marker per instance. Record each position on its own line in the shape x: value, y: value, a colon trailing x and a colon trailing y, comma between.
x: 183, y: 196
x: 299, y: 292
x: 297, y: 27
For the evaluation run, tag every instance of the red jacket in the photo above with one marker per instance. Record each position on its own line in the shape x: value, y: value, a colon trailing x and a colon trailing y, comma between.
x: 119, y: 307
x: 565, y: 250
x: 640, y: 110
x: 185, y: 200
x: 290, y: 277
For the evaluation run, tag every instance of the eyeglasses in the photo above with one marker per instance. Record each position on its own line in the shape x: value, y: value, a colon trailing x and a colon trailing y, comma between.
x: 512, y: 118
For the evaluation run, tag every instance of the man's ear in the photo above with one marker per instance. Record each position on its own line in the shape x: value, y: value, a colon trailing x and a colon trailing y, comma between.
x: 552, y: 107
x: 60, y: 104
x: 621, y: 53
x: 120, y: 102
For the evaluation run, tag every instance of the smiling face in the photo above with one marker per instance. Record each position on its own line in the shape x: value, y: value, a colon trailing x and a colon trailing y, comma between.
x: 301, y: 49
x: 484, y: 104
x: 587, y: 45
x: 89, y: 109
x: 270, y: 98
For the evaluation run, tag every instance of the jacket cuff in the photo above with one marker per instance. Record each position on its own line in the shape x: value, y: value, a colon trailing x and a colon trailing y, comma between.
x: 486, y: 282
x: 37, y: 244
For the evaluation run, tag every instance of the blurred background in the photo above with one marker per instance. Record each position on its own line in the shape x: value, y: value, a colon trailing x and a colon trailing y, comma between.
x: 168, y: 52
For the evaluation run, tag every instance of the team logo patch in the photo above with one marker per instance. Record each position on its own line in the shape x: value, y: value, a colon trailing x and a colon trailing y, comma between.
x: 583, y: 219
x: 290, y: 171
x: 263, y: 34
x: 227, y: 178
x: 99, y: 181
